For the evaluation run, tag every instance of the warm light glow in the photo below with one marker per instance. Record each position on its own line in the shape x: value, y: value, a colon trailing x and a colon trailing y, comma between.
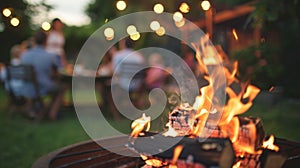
x: 180, y: 23
x: 154, y: 162
x: 131, y: 29
x: 271, y: 89
x: 121, y: 5
x: 6, y: 12
x: 161, y: 31
x: 177, y: 151
x: 106, y: 20
x: 135, y: 36
x: 269, y: 144
x: 46, y: 26
x: 205, y: 5
x: 140, y: 124
x: 154, y: 25
x: 109, y: 33
x: 184, y: 8
x: 177, y: 16
x: 237, y: 165
x: 235, y: 34
x: 15, y: 21
x: 158, y: 8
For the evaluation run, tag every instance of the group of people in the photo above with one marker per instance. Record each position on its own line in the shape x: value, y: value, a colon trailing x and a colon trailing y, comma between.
x: 45, y: 54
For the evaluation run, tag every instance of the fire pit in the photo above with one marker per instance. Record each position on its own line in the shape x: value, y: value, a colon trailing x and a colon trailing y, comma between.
x: 90, y: 154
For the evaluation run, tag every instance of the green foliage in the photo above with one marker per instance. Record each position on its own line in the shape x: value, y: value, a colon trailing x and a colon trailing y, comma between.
x: 260, y: 64
x: 11, y: 35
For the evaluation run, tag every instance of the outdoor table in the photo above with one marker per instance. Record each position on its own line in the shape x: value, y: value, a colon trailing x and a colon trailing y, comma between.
x: 101, y: 82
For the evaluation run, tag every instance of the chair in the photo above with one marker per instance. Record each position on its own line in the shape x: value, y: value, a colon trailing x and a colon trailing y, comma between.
x: 16, y: 77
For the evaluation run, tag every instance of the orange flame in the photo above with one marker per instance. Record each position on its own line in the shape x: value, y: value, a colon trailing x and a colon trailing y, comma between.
x: 237, y: 164
x: 155, y: 162
x: 269, y: 144
x: 177, y: 152
x: 140, y: 124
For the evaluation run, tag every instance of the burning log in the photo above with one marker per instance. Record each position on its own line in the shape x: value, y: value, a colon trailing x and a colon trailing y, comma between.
x: 246, y: 133
x: 205, y: 152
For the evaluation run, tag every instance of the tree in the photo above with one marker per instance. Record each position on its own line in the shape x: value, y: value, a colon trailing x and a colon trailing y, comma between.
x: 283, y: 17
x: 11, y: 35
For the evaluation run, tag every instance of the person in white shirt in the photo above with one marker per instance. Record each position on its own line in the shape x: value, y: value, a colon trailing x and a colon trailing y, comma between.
x: 56, y: 41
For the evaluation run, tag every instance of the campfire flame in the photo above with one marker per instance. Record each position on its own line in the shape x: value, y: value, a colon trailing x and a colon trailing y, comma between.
x: 269, y: 144
x: 229, y: 123
x: 140, y: 124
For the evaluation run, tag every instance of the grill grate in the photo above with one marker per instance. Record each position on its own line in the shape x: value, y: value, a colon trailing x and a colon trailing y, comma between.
x: 91, y: 155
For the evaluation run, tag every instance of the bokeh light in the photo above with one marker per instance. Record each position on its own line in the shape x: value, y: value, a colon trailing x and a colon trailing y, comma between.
x: 46, y: 26
x: 158, y: 8
x: 6, y: 12
x: 14, y: 21
x: 109, y: 33
x: 161, y: 31
x: 184, y: 8
x: 131, y: 29
x: 205, y: 5
x: 177, y: 16
x: 121, y: 5
x: 135, y: 36
x: 180, y: 24
x: 154, y: 25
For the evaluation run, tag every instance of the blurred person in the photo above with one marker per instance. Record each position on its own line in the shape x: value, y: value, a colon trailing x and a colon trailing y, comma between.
x: 14, y: 85
x: 45, y: 66
x: 190, y: 60
x: 2, y: 72
x: 106, y: 66
x: 15, y: 55
x: 156, y: 74
x: 56, y: 41
x: 126, y: 62
x: 126, y: 55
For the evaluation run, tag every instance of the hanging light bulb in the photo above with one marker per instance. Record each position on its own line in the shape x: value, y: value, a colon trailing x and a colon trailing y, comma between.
x: 184, y: 8
x: 14, y: 21
x: 154, y: 25
x: 121, y: 5
x: 109, y: 33
x: 205, y: 5
x: 46, y: 26
x: 6, y: 12
x: 158, y: 8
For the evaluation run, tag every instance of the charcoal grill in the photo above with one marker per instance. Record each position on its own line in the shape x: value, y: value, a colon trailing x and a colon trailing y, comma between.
x: 90, y: 154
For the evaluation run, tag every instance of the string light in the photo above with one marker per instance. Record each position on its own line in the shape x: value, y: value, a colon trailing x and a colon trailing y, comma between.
x: 184, y: 8
x: 205, y: 5
x: 158, y: 8
x: 121, y: 5
x: 154, y: 25
x: 14, y: 21
x: 177, y: 16
x: 6, y: 12
x: 131, y: 29
x: 161, y: 31
x: 109, y: 33
x: 135, y: 36
x: 46, y: 26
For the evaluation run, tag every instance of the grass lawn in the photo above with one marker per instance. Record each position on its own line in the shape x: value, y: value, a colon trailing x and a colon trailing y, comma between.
x: 23, y: 141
